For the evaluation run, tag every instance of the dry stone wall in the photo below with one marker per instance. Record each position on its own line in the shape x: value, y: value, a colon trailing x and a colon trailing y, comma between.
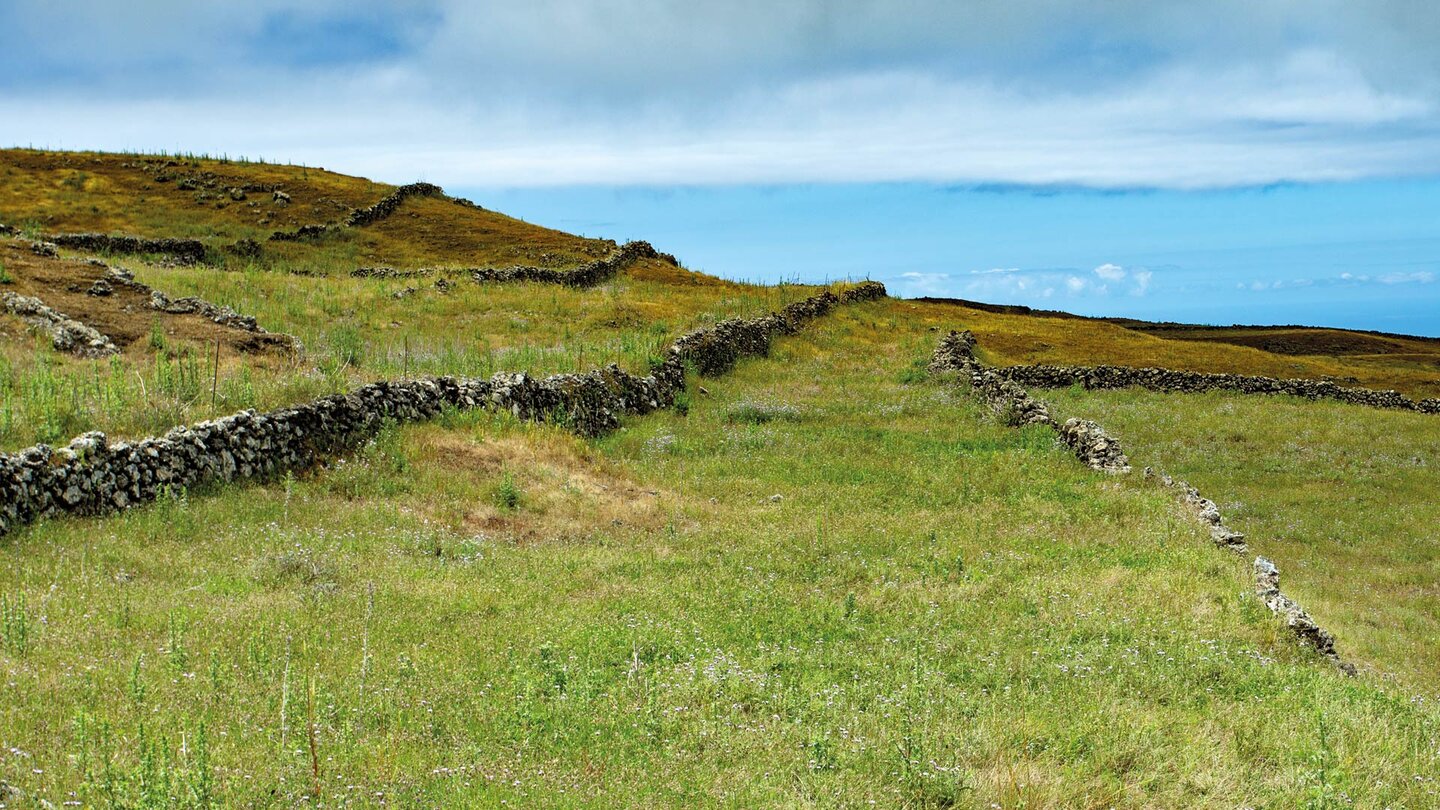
x: 191, y: 305
x: 66, y: 334
x: 1000, y: 388
x: 1087, y: 440
x: 586, y: 275
x: 184, y: 250
x: 1171, y: 381
x: 370, y: 214
x: 92, y: 475
x: 361, y: 217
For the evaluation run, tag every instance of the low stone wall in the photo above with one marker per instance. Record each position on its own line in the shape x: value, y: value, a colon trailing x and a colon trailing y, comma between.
x: 1205, y: 511
x: 1089, y: 443
x: 66, y: 334
x: 586, y: 275
x: 1305, y: 628
x: 1171, y: 381
x: 191, y: 305
x: 361, y: 217
x: 93, y: 476
x: 185, y: 250
x: 999, y: 387
x: 370, y: 214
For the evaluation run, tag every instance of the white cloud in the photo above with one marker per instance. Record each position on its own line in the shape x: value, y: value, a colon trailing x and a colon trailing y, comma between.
x: 1075, y: 284
x: 1142, y: 281
x: 552, y: 92
x: 1110, y: 272
x: 1420, y: 277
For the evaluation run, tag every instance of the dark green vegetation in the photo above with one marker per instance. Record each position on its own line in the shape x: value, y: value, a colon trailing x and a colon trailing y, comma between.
x: 936, y: 610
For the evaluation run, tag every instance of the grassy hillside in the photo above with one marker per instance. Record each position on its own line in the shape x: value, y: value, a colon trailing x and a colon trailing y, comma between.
x: 823, y: 580
x: 1342, y: 497
x: 194, y: 197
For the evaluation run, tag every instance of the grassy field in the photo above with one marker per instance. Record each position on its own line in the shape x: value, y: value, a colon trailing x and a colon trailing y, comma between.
x: 1341, y: 497
x: 354, y: 331
x: 478, y: 612
x: 825, y: 580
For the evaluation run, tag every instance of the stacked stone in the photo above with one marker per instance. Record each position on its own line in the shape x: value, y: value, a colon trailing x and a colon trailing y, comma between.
x: 185, y: 250
x: 303, y: 232
x: 66, y: 334
x: 190, y: 305
x: 389, y: 272
x: 93, y: 476
x: 361, y: 217
x: 586, y: 275
x: 1089, y: 443
x: 1171, y: 381
x: 1305, y: 628
x: 1206, y: 511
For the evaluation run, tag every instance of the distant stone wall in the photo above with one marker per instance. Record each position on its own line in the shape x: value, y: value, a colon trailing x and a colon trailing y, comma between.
x: 1001, y: 389
x: 1089, y: 443
x: 370, y: 214
x: 586, y: 275
x: 1171, y: 381
x: 93, y: 476
x: 361, y: 217
x: 185, y: 250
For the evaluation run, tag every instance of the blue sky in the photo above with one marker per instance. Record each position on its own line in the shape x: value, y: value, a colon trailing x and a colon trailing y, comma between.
x: 1234, y: 160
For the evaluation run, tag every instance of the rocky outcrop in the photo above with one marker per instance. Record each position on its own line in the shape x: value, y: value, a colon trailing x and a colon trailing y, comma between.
x: 91, y: 475
x: 1171, y: 381
x: 1015, y: 406
x: 184, y: 250
x: 66, y: 334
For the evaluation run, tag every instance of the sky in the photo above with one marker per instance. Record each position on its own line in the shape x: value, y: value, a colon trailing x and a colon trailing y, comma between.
x: 1267, y: 161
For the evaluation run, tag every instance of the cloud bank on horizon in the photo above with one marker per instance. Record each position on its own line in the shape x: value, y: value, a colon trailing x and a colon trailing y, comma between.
x: 1120, y: 94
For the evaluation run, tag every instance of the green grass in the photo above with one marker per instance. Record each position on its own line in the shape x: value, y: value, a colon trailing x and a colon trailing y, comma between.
x: 824, y: 580
x: 968, y: 618
x: 1341, y: 497
x: 354, y: 332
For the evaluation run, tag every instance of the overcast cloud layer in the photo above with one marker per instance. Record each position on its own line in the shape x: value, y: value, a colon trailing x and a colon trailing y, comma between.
x: 1112, y: 94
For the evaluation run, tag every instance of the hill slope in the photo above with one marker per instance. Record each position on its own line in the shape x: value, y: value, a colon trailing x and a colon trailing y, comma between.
x: 823, y: 579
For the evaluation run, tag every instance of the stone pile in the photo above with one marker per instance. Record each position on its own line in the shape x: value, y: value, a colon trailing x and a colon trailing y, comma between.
x: 93, y: 476
x: 1171, y: 381
x: 66, y: 334
x: 1014, y: 405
